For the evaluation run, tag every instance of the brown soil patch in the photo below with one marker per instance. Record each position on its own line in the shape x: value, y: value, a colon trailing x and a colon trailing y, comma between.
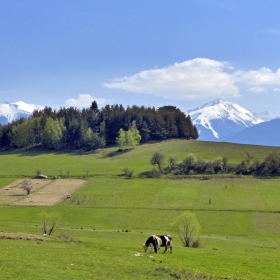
x: 12, y: 192
x: 15, y: 236
x: 45, y: 192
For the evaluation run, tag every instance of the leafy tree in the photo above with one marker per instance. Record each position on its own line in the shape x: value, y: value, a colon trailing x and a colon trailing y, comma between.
x: 130, y: 137
x: 272, y: 164
x: 218, y: 164
x: 157, y: 159
x: 136, y: 137
x: 88, y: 138
x: 172, y: 161
x: 52, y: 134
x: 22, y: 135
x: 189, y: 163
x: 121, y: 139
x: 187, y: 227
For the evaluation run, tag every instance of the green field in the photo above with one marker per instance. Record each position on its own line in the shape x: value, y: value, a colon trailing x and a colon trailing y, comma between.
x: 106, y: 222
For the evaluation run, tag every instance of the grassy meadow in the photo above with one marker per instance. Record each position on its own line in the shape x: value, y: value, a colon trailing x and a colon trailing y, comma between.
x: 104, y: 224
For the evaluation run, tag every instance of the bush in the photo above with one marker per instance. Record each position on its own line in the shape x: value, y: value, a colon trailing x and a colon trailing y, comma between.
x: 196, y: 243
x: 128, y: 173
x: 156, y: 173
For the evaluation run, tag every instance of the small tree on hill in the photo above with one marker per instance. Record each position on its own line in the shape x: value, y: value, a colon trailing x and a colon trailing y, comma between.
x: 172, y: 161
x: 26, y: 185
x: 49, y: 222
x: 136, y: 137
x: 129, y: 138
x: 188, y: 229
x: 157, y: 159
x: 121, y: 139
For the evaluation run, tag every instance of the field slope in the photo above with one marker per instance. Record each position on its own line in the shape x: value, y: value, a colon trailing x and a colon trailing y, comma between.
x: 104, y: 224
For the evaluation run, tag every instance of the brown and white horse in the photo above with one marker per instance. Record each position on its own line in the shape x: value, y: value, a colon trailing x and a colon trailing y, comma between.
x: 159, y: 240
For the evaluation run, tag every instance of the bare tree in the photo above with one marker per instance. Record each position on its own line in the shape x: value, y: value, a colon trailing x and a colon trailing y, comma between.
x: 50, y: 222
x: 26, y: 185
x: 248, y: 157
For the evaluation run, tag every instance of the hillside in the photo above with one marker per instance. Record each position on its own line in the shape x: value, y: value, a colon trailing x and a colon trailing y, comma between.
x: 111, y: 217
x: 109, y: 161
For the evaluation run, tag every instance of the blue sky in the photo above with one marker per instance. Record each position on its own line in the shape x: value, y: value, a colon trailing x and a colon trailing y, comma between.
x: 134, y: 52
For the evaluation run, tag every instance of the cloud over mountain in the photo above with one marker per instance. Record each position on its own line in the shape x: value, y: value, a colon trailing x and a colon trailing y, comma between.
x: 198, y: 78
x: 190, y: 79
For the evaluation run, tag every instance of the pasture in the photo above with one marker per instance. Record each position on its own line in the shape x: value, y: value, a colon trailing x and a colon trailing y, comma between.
x: 104, y: 224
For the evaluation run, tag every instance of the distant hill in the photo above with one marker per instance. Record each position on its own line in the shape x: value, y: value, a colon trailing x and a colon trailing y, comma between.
x: 14, y: 111
x: 219, y: 119
x: 265, y: 134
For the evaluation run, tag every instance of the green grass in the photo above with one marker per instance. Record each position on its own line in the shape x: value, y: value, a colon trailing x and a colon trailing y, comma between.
x: 110, y: 218
x: 109, y: 162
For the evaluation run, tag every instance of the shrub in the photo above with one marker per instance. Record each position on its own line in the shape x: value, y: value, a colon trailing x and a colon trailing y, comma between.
x: 156, y: 173
x: 196, y: 244
x: 128, y: 173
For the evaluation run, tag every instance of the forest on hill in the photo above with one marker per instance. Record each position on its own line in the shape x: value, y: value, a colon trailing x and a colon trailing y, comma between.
x: 92, y: 128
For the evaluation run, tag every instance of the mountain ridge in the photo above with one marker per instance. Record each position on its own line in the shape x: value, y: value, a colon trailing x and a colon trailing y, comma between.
x: 264, y: 134
x: 218, y: 118
x: 13, y: 111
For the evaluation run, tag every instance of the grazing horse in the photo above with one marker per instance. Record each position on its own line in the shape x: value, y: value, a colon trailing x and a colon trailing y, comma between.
x: 157, y: 241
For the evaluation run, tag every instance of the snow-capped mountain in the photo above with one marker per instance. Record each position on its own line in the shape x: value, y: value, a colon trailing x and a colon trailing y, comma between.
x: 219, y: 119
x: 13, y: 111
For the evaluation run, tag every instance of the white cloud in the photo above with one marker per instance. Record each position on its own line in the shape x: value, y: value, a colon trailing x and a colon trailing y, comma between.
x: 199, y: 78
x: 256, y: 89
x: 263, y: 76
x: 276, y: 89
x: 192, y: 79
x: 84, y: 101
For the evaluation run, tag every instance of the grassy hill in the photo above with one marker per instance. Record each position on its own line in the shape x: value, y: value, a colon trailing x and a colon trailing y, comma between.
x: 111, y: 162
x: 106, y: 222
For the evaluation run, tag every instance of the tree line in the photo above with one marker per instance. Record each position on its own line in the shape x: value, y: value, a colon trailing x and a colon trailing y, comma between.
x: 92, y: 128
x: 191, y: 165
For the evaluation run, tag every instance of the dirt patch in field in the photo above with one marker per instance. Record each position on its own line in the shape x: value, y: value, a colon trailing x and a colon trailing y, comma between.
x: 13, y: 192
x: 16, y: 236
x: 45, y: 192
